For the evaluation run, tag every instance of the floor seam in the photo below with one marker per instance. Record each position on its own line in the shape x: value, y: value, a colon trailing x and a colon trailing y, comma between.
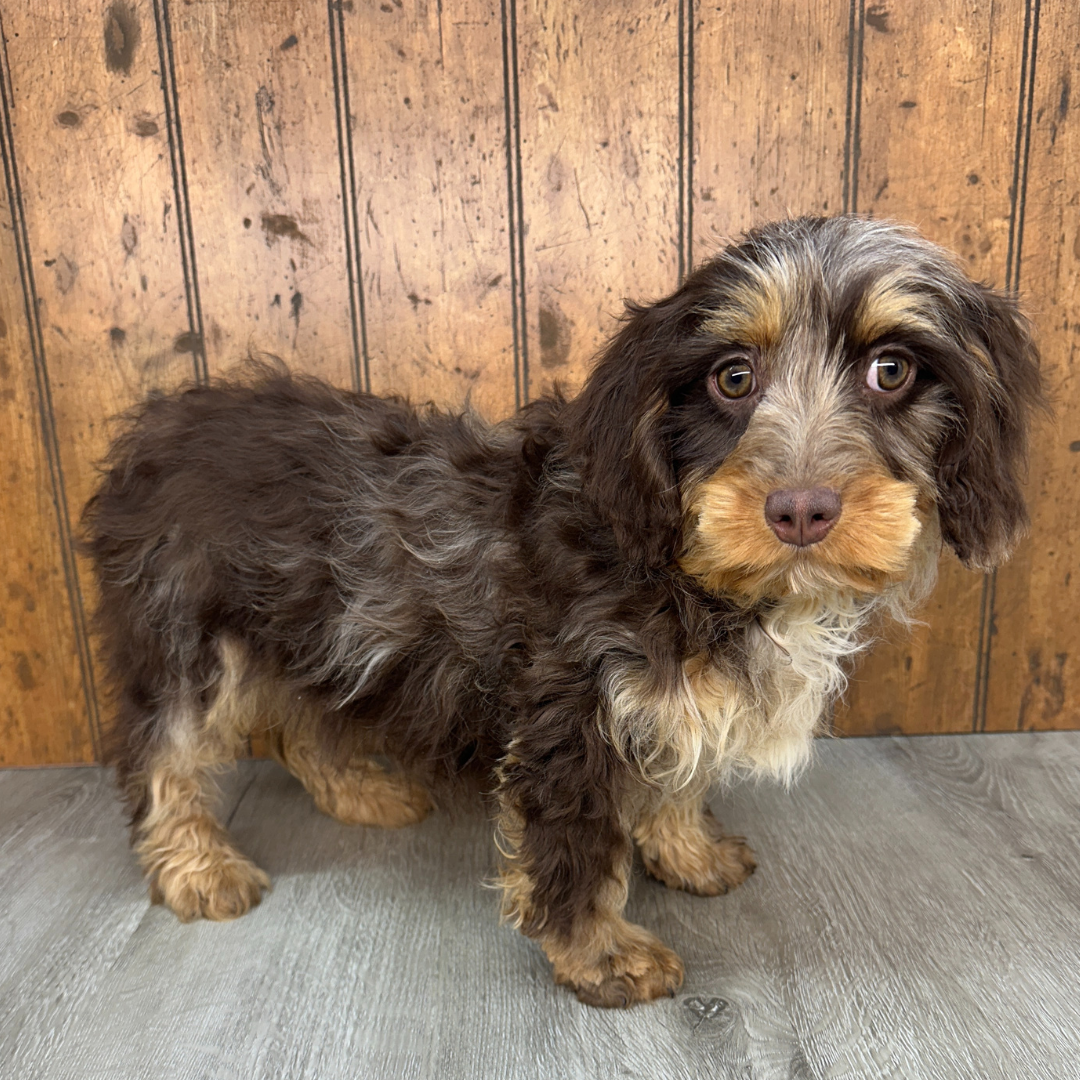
x: 236, y: 805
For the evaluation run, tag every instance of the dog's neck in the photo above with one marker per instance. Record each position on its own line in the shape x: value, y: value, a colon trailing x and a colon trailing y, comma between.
x: 754, y: 709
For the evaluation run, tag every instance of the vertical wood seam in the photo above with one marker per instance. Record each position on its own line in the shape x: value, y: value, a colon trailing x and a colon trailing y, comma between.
x: 515, y: 200
x: 361, y: 360
x: 46, y: 414
x: 1017, y: 211
x: 853, y: 107
x: 1022, y: 150
x: 852, y: 148
x: 685, y: 179
x: 184, y: 228
x: 982, y: 657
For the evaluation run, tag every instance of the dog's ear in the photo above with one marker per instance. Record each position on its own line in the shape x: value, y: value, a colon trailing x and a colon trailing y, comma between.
x: 617, y: 437
x: 981, y: 464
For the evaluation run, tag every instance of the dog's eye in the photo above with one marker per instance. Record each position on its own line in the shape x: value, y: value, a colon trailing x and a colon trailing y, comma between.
x: 888, y: 373
x: 735, y: 379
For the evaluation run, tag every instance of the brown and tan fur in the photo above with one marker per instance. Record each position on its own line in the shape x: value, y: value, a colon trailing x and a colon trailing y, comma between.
x: 362, y: 792
x: 587, y: 613
x: 682, y: 845
x: 188, y: 857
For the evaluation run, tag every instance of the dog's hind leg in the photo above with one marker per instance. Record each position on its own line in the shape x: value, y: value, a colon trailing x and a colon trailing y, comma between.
x: 186, y: 853
x: 361, y: 792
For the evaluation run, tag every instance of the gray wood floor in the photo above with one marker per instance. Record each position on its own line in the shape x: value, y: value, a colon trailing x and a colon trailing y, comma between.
x: 916, y: 914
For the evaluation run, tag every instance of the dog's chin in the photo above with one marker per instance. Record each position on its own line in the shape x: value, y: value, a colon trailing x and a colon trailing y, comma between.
x: 803, y: 577
x: 732, y: 552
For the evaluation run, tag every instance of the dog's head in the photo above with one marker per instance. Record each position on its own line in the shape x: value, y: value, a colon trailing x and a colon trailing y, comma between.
x: 805, y: 407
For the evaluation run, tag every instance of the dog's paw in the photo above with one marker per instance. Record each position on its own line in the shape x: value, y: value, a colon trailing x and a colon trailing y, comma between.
x: 638, y: 968
x: 726, y: 864
x: 706, y: 864
x: 219, y: 884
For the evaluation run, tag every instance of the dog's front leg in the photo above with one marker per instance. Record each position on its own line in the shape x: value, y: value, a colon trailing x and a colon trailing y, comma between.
x: 683, y: 846
x: 565, y: 835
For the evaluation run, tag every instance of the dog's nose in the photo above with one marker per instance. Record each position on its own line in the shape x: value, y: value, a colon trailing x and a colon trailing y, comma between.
x: 802, y: 517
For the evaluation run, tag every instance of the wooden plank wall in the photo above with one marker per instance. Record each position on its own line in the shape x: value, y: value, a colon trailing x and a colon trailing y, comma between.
x: 451, y: 199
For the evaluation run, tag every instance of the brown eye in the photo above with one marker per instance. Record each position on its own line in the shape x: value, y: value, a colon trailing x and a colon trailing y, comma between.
x: 735, y: 379
x: 888, y: 373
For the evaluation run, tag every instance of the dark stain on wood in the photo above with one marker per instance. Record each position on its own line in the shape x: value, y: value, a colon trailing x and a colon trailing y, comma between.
x: 877, y: 17
x: 144, y: 127
x: 264, y: 106
x: 1044, y: 695
x: 278, y: 225
x: 22, y: 595
x: 289, y: 42
x: 187, y: 342
x: 69, y: 118
x: 555, y: 337
x: 66, y: 272
x: 885, y: 724
x: 117, y: 336
x: 122, y: 33
x: 129, y: 236
x: 24, y: 672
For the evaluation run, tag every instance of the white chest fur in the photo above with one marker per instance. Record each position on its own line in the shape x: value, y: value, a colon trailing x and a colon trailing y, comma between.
x: 758, y: 716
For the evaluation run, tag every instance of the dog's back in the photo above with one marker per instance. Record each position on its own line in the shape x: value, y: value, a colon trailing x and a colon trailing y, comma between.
x: 276, y: 536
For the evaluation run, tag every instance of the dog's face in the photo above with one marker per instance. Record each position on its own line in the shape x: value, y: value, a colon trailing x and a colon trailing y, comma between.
x: 806, y: 407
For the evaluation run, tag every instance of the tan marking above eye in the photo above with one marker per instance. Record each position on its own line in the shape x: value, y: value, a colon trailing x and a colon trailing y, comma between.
x: 888, y: 373
x: 891, y: 305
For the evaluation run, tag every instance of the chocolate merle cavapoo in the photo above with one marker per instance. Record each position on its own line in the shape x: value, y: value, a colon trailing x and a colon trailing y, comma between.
x: 599, y: 607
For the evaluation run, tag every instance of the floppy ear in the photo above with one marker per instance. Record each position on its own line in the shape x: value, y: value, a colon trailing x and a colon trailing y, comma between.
x: 981, y: 465
x: 616, y: 433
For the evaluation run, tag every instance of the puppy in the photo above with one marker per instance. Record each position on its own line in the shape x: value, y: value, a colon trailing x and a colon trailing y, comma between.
x: 595, y: 610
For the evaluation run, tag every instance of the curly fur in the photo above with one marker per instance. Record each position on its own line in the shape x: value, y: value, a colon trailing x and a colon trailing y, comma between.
x: 583, y: 609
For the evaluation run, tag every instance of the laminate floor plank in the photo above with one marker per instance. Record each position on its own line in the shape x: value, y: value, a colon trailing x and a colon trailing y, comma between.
x: 916, y: 913
x: 71, y: 901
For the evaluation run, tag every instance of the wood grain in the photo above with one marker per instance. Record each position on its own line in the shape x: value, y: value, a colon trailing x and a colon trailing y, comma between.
x: 453, y: 200
x: 43, y: 714
x: 97, y: 197
x: 426, y: 94
x: 99, y: 208
x: 913, y: 915
x: 73, y: 907
x: 263, y: 182
x: 599, y: 87
x: 769, y: 107
x: 920, y: 74
x: 1035, y: 673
